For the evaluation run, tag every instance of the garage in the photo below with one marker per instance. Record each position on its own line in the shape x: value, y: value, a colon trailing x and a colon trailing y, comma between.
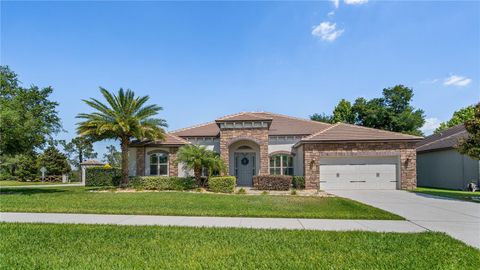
x: 359, y: 173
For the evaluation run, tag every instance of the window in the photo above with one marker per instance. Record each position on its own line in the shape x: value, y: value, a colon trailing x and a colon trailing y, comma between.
x: 281, y: 165
x: 159, y: 164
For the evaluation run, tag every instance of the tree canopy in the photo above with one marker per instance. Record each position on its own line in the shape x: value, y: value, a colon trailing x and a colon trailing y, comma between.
x: 78, y: 149
x: 112, y: 156
x: 458, y: 117
x: 54, y: 161
x: 392, y: 112
x: 28, y: 119
x: 471, y: 145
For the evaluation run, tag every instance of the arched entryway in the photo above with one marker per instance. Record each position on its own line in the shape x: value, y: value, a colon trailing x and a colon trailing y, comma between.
x: 244, y: 161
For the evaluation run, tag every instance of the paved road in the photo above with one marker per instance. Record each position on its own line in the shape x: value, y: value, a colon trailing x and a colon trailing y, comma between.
x: 458, y: 219
x: 236, y: 222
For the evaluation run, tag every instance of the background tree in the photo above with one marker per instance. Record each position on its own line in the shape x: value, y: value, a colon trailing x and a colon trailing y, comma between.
x: 458, y: 117
x: 392, y: 112
x: 27, y: 167
x: 112, y: 156
x: 471, y: 145
x: 197, y: 158
x: 54, y: 161
x: 78, y: 149
x: 28, y: 119
x: 123, y: 117
x: 322, y: 118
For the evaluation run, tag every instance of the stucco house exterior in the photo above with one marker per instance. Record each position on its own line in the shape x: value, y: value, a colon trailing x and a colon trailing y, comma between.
x: 440, y: 165
x: 329, y: 156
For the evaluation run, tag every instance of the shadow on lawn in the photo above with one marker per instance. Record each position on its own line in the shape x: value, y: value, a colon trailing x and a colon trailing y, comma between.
x: 29, y: 191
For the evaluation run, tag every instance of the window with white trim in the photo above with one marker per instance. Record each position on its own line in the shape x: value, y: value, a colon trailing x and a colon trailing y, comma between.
x: 159, y: 164
x: 281, y: 165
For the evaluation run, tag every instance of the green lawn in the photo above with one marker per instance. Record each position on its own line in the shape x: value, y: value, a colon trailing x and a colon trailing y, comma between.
x: 80, y: 200
x: 18, y: 183
x: 67, y: 246
x: 456, y: 194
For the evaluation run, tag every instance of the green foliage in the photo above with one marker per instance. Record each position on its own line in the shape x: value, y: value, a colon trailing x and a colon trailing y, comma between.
x: 298, y: 182
x: 27, y: 167
x: 28, y: 118
x: 197, y: 158
x: 123, y: 117
x: 241, y: 191
x: 322, y: 118
x: 458, y: 117
x: 99, y: 176
x: 293, y: 192
x: 222, y: 184
x: 54, y: 161
x: 392, y: 112
x: 112, y: 156
x: 78, y: 150
x: 162, y: 183
x: 471, y: 145
x: 272, y: 182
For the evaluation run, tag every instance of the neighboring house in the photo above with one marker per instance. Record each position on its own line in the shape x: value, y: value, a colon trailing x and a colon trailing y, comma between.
x: 440, y: 165
x: 339, y: 156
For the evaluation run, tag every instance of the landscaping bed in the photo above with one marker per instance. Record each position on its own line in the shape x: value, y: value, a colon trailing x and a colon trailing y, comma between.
x: 81, y: 200
x: 69, y: 246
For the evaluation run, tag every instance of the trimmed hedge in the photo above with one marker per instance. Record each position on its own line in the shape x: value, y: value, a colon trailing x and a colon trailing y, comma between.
x: 101, y: 176
x: 222, y: 184
x: 298, y: 182
x: 162, y: 182
x: 272, y: 182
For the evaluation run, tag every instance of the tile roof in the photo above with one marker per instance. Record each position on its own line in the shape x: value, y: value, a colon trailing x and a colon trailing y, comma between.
x: 92, y: 162
x: 347, y: 132
x: 281, y: 125
x: 170, y: 139
x: 443, y: 140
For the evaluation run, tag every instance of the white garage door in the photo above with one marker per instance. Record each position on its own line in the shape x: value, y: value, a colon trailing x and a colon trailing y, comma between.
x: 360, y: 173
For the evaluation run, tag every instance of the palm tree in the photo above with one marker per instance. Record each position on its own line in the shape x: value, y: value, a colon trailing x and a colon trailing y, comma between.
x: 123, y: 117
x: 198, y: 157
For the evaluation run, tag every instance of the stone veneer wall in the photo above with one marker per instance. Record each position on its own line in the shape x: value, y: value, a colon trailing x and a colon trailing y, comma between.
x: 259, y: 135
x: 172, y: 158
x: 315, y: 151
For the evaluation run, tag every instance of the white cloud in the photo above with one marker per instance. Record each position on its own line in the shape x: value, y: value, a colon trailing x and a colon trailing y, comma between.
x: 327, y: 31
x: 355, y: 2
x: 430, y: 125
x: 331, y: 13
x: 336, y: 3
x: 457, y: 80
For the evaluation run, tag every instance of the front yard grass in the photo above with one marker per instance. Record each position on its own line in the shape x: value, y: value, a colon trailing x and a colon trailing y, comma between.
x: 19, y: 183
x: 68, y: 246
x: 81, y: 200
x: 455, y: 194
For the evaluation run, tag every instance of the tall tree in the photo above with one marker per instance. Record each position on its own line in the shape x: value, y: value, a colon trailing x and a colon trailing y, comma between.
x: 54, y: 161
x: 123, y: 117
x: 78, y: 149
x: 112, y: 156
x: 458, y: 117
x: 28, y: 119
x: 471, y: 145
x: 392, y: 112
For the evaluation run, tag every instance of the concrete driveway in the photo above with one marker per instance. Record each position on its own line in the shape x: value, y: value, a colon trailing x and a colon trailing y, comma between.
x: 458, y: 219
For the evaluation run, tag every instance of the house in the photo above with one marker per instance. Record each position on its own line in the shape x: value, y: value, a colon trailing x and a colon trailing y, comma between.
x: 440, y: 165
x: 338, y: 156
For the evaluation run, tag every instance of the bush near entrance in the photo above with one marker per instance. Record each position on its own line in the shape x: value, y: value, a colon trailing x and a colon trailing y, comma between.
x: 222, y: 184
x: 272, y: 182
x: 162, y: 183
x: 298, y: 182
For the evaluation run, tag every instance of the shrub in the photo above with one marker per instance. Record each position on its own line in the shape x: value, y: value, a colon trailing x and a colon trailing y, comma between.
x: 272, y: 182
x: 100, y: 176
x: 27, y: 167
x: 162, y: 183
x: 293, y: 192
x: 298, y: 182
x: 241, y: 191
x: 222, y: 184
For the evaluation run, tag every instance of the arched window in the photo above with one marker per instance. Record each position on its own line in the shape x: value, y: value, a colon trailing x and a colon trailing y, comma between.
x: 281, y: 165
x: 159, y: 164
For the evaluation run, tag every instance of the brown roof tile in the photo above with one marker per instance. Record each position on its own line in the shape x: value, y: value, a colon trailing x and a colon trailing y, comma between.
x: 443, y: 140
x: 170, y: 139
x: 347, y: 132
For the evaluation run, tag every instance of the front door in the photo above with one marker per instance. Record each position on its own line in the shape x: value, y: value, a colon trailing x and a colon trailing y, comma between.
x: 244, y: 168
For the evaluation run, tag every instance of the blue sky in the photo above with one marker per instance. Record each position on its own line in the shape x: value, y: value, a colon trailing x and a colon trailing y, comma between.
x: 202, y: 60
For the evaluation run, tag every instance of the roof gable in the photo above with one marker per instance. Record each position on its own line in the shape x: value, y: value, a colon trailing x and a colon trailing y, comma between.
x: 443, y: 140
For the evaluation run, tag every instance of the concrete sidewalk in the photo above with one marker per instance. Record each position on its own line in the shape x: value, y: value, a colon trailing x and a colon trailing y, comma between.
x: 232, y: 222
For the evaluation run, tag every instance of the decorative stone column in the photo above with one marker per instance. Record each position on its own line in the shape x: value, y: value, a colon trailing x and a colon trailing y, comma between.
x: 172, y: 161
x: 140, y: 161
